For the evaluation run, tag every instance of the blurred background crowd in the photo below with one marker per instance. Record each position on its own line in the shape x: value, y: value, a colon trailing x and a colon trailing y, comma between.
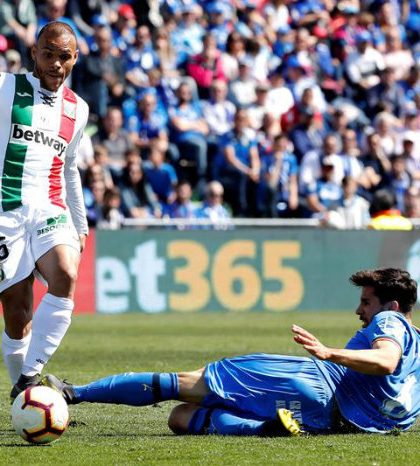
x: 240, y: 108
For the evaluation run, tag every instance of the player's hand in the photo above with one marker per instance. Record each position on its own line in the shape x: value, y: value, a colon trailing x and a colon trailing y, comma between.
x: 310, y: 343
x: 82, y: 239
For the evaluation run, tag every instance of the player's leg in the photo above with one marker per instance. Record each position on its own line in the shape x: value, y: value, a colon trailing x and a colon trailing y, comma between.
x: 16, y: 267
x: 190, y: 418
x: 17, y: 302
x: 58, y: 266
x: 135, y: 388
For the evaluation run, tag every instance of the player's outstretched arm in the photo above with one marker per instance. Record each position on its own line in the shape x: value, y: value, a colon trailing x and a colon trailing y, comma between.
x: 381, y: 359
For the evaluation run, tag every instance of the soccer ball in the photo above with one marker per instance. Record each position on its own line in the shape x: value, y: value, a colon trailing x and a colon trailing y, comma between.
x: 40, y: 414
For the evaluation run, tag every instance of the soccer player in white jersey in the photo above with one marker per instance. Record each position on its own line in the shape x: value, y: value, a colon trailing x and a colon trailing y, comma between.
x: 43, y: 224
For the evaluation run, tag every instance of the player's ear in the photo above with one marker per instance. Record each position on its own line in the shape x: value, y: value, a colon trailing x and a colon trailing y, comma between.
x: 33, y: 52
x: 392, y: 306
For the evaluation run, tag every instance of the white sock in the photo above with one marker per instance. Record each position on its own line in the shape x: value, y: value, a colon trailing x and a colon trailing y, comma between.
x: 14, y: 352
x: 49, y: 325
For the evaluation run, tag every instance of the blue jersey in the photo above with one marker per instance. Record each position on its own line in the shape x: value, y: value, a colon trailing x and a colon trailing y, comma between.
x: 381, y: 403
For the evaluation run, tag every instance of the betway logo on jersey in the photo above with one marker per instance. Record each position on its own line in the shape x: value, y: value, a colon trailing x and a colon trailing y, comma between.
x: 22, y: 134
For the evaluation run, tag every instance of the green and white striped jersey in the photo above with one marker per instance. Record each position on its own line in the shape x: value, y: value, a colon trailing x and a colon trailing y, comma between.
x: 40, y: 133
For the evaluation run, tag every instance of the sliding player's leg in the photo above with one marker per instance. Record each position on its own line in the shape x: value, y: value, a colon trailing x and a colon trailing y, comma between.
x: 135, y: 388
x: 193, y: 419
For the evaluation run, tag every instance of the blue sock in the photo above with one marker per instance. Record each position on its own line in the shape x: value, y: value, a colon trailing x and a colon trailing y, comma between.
x: 130, y: 388
x: 223, y: 422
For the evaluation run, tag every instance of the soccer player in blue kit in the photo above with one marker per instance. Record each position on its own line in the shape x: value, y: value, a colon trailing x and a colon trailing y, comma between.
x: 371, y: 385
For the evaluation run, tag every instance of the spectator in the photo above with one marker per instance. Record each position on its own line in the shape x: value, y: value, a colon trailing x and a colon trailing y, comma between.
x: 284, y: 42
x: 363, y: 66
x: 299, y: 79
x: 187, y: 36
x: 387, y: 95
x: 279, y: 99
x: 114, y: 138
x: 220, y: 24
x: 353, y: 210
x: 93, y: 193
x: 411, y: 157
x: 311, y: 166
x: 212, y: 207
x: 399, y: 180
x: 307, y: 136
x: 169, y: 60
x: 160, y: 175
x: 412, y: 203
x: 218, y: 113
x: 85, y: 13
x: 140, y: 58
x: 292, y: 118
x: 242, y: 89
x: 14, y: 62
x: 101, y: 158
x: 376, y: 165
x: 324, y: 193
x: 385, y: 125
x: 18, y: 24
x: 235, y: 51
x: 147, y: 124
x: 112, y: 218
x: 124, y: 29
x: 277, y: 16
x: 239, y: 167
x: 181, y: 207
x: 350, y: 156
x: 411, y: 84
x: 337, y: 124
x: 138, y: 198
x: 395, y: 56
x: 101, y: 75
x: 259, y: 108
x: 189, y: 130
x: 384, y: 214
x: 206, y: 66
x: 279, y: 187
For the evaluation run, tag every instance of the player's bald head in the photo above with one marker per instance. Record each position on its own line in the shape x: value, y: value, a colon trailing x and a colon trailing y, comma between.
x: 55, y: 29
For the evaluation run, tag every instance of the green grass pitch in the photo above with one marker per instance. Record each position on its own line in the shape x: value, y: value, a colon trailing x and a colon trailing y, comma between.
x: 116, y: 435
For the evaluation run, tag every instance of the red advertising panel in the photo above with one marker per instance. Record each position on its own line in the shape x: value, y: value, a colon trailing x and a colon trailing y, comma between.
x: 85, y: 289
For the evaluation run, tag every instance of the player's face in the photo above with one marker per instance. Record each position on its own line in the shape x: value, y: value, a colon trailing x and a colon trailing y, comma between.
x: 369, y: 306
x: 54, y: 57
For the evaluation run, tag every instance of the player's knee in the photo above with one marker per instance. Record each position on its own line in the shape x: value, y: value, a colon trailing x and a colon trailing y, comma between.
x: 64, y: 280
x: 180, y: 418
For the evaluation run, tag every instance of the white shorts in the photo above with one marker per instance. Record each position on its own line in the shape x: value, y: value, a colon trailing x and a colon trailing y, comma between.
x: 28, y: 233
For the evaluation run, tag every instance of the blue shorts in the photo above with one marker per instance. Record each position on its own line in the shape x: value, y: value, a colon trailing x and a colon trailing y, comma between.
x: 256, y: 385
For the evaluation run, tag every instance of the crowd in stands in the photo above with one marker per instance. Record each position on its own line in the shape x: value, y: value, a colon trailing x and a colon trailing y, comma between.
x: 243, y: 108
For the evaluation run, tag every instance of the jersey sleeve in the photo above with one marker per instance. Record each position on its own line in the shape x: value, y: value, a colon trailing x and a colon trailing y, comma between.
x: 74, y: 191
x: 386, y: 325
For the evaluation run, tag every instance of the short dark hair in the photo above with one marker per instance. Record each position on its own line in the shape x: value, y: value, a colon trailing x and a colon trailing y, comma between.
x: 389, y: 284
x: 383, y: 199
x: 57, y: 27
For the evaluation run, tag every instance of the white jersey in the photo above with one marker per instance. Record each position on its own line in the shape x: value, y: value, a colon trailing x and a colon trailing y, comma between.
x: 40, y: 133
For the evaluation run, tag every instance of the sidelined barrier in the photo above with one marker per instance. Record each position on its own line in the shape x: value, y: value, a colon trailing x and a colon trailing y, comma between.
x: 241, y: 270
